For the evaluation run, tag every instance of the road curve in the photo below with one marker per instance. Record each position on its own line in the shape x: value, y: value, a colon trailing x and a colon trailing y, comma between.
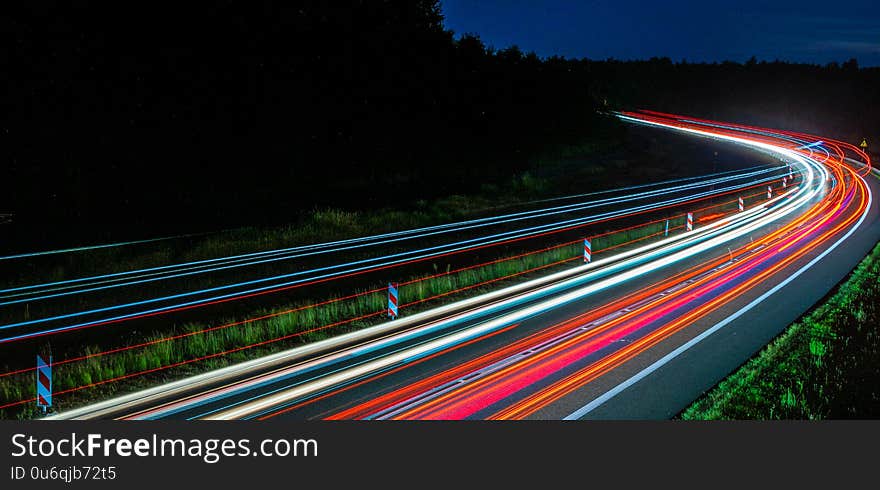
x: 637, y: 335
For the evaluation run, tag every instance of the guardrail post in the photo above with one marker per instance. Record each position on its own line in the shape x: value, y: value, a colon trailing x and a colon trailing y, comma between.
x: 44, y: 383
x: 392, y: 300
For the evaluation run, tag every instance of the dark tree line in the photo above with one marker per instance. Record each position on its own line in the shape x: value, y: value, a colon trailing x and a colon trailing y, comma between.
x: 200, y: 117
x: 837, y: 100
x: 124, y: 120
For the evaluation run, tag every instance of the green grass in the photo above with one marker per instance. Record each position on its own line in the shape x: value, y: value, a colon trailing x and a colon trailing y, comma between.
x: 824, y: 366
x: 320, y: 225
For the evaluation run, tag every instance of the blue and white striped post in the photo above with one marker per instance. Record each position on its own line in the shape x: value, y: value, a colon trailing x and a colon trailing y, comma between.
x: 392, y: 300
x: 690, y: 222
x: 44, y: 383
x: 588, y: 251
x: 666, y: 231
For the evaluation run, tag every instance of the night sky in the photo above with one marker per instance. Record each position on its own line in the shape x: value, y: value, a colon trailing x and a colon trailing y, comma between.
x: 806, y: 31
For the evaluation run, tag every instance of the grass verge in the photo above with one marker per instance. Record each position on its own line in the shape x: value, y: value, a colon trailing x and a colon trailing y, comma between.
x: 824, y: 366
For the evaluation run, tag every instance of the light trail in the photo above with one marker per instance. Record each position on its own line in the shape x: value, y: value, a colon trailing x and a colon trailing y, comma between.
x: 568, y: 385
x: 705, y: 239
x: 361, y: 267
x: 600, y: 400
x: 482, y: 390
x: 406, y: 305
x: 442, y: 394
x: 93, y: 247
x: 522, y: 378
x: 212, y: 265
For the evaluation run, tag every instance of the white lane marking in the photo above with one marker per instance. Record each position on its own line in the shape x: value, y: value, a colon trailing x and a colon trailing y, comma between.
x: 597, y: 402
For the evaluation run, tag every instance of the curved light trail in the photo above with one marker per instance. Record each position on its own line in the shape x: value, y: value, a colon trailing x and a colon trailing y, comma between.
x: 520, y: 355
x: 244, y: 289
x: 151, y: 274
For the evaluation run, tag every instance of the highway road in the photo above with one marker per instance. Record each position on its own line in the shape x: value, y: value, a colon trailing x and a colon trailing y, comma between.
x: 636, y: 334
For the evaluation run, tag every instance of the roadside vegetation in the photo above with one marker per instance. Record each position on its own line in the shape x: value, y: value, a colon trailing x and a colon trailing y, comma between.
x: 312, y: 226
x: 824, y: 366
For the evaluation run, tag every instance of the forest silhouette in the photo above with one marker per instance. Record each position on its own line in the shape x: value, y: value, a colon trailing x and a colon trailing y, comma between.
x: 132, y: 121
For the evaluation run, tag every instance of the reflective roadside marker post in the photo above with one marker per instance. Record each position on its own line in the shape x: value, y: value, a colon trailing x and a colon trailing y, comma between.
x: 44, y: 383
x: 666, y: 231
x: 392, y: 300
x: 588, y: 251
x: 783, y: 182
x: 741, y: 207
x: 769, y: 192
x: 690, y: 222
